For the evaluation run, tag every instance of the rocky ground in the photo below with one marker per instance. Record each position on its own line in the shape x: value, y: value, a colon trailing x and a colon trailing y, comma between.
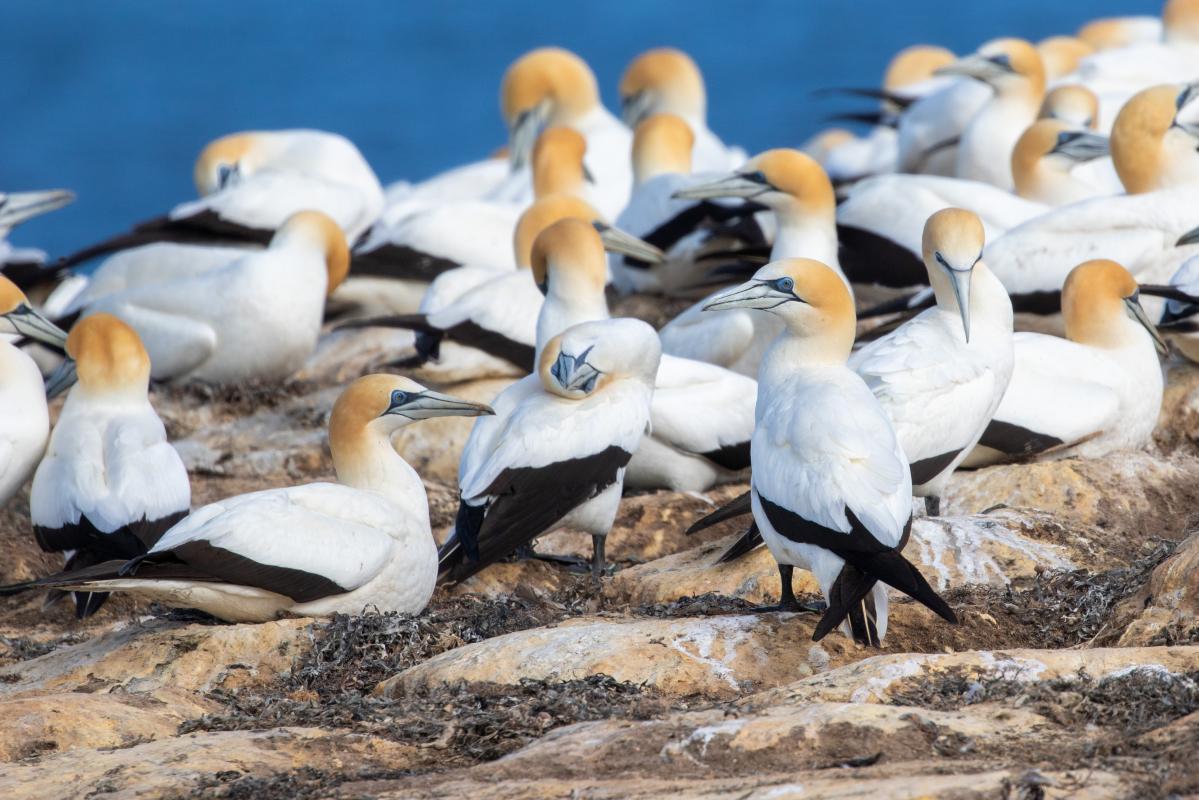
x: 1074, y: 671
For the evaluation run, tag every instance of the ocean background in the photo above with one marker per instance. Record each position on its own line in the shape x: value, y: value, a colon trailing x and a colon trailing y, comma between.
x: 115, y: 99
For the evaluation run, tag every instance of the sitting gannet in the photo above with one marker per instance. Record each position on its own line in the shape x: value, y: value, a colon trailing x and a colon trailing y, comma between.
x: 685, y: 230
x: 110, y: 484
x: 487, y: 321
x: 1096, y: 391
x: 1156, y: 159
x: 831, y: 489
x: 257, y: 318
x: 312, y: 550
x: 667, y: 81
x: 22, y: 265
x: 1013, y: 69
x: 798, y: 192
x: 557, y: 458
x: 24, y: 420
x: 251, y: 183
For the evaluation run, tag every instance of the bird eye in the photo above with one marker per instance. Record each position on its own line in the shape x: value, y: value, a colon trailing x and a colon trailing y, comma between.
x: 1002, y: 60
x: 399, y: 398
x: 755, y: 177
x: 784, y: 284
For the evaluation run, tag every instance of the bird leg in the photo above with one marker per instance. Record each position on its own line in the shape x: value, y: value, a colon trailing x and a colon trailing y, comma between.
x: 787, y: 601
x: 932, y: 506
x: 598, y: 564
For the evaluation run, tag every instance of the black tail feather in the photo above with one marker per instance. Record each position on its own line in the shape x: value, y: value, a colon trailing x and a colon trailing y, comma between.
x: 893, y: 569
x: 738, y: 506
x: 851, y: 596
x: 746, y: 543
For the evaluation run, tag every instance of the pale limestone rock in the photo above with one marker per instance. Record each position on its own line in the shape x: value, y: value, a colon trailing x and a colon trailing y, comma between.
x: 1167, y: 608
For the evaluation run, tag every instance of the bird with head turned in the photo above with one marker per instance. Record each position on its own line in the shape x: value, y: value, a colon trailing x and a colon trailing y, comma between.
x: 1151, y: 148
x: 1045, y: 156
x: 830, y: 479
x: 312, y: 550
x: 107, y: 429
x: 1074, y: 104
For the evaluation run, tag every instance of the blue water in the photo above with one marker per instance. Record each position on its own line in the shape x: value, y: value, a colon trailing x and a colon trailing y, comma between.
x: 114, y: 99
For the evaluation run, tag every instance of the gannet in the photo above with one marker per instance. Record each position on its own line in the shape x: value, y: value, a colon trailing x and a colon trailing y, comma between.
x: 1073, y: 104
x: 1157, y: 162
x: 23, y: 265
x: 1113, y: 32
x: 250, y: 183
x: 1179, y: 315
x: 311, y: 550
x: 1061, y: 55
x: 1044, y: 161
x: 798, y: 192
x: 24, y: 420
x: 1096, y: 391
x: 685, y: 230
x: 110, y: 484
x: 667, y: 81
x: 1013, y: 69
x: 930, y: 129
x: 831, y: 490
x: 256, y: 318
x: 474, y: 322
x: 557, y: 458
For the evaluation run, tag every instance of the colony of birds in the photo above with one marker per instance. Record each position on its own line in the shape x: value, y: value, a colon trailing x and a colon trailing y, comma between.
x: 1020, y: 178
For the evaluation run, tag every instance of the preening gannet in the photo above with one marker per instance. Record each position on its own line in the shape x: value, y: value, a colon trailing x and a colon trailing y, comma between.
x: 256, y: 318
x: 557, y: 457
x: 1096, y: 391
x: 312, y: 550
x: 23, y: 265
x: 686, y: 230
x: 24, y: 421
x: 1013, y: 69
x: 1180, y: 315
x: 551, y: 86
x: 486, y: 321
x: 667, y: 81
x: 1157, y: 162
x: 110, y: 484
x: 250, y: 183
x: 831, y: 490
x: 795, y: 188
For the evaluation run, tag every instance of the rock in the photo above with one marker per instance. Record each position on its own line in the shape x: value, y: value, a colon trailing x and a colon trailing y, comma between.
x: 714, y: 656
x: 986, y: 549
x: 163, y: 655
x: 65, y: 721
x: 878, y: 679
x: 176, y: 767
x: 1178, y: 423
x: 1166, y: 611
x: 342, y: 356
x: 1123, y: 492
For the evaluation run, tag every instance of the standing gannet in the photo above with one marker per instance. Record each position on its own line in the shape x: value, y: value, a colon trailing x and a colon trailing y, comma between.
x: 1096, y: 391
x: 22, y: 265
x: 798, y: 192
x: 667, y: 81
x: 24, y: 420
x: 110, y: 484
x: 831, y: 491
x: 312, y: 550
x: 557, y: 458
x: 1013, y: 69
x: 684, y: 229
x: 255, y: 319
x: 487, y: 321
x: 1156, y: 160
x: 250, y: 183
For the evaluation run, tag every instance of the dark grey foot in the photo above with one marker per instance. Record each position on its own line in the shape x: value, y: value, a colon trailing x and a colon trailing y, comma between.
x: 787, y: 601
x: 598, y: 564
x: 932, y: 506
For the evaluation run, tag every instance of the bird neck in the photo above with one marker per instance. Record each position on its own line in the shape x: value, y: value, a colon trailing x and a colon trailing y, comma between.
x: 367, y: 460
x: 1046, y: 181
x: 805, y: 233
x: 828, y: 347
x: 564, y: 307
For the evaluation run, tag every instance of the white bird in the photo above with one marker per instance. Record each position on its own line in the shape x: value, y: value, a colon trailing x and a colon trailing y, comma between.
x: 556, y: 455
x: 667, y: 81
x: 1108, y: 33
x: 476, y: 322
x: 251, y: 183
x: 1179, y: 318
x: 1097, y: 391
x: 24, y: 420
x: 686, y: 230
x: 831, y: 490
x: 1157, y: 162
x: 110, y: 484
x: 930, y: 129
x: 1062, y: 54
x: 24, y: 265
x: 794, y: 187
x: 257, y: 318
x: 312, y: 550
x: 1013, y: 69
